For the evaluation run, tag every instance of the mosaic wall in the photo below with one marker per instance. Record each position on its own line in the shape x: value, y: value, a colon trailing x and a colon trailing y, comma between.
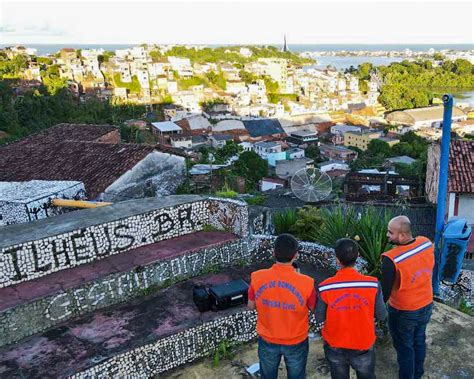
x: 184, y: 347
x: 24, y: 210
x: 309, y: 252
x: 34, y: 259
x: 37, y: 316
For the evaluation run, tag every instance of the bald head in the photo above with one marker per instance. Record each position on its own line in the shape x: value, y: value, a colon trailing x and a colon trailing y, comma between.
x: 399, y: 230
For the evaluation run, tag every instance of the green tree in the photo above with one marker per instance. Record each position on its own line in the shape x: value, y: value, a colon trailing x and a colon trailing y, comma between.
x: 247, y: 77
x: 378, y: 147
x: 270, y: 84
x: 462, y: 67
x: 217, y: 79
x: 52, y: 79
x: 251, y: 167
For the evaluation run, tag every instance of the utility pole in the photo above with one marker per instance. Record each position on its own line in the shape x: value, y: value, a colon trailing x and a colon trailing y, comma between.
x: 442, y: 186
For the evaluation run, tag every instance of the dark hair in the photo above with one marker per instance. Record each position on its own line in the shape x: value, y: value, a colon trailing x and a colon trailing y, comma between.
x: 286, y: 247
x: 346, y: 251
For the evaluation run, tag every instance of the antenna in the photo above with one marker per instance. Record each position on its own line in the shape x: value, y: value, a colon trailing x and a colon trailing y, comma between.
x: 311, y: 185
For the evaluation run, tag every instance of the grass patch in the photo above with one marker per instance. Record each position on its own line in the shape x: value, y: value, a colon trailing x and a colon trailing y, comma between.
x: 256, y: 200
x: 133, y: 86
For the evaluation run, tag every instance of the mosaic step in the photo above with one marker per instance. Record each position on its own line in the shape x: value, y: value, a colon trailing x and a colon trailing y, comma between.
x: 35, y: 305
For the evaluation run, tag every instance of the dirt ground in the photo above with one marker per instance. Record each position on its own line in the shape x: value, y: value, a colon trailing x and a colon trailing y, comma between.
x: 450, y: 341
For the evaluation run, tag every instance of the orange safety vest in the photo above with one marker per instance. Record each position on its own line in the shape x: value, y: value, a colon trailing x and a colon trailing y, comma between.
x: 350, y: 298
x: 281, y: 295
x: 412, y: 288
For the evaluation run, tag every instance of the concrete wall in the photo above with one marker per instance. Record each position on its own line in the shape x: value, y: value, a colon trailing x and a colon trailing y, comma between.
x: 159, y: 174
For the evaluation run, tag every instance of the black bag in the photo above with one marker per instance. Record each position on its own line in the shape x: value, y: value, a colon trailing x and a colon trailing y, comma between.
x: 229, y: 294
x: 201, y: 298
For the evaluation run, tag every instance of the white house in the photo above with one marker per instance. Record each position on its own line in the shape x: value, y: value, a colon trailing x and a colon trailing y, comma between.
x: 264, y: 148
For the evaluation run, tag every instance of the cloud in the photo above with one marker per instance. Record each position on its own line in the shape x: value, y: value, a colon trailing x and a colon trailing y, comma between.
x: 44, y: 30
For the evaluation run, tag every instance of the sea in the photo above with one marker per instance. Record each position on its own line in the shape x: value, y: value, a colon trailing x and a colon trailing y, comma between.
x: 44, y: 49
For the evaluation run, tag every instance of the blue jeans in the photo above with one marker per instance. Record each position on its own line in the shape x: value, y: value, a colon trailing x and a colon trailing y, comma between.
x: 295, y: 356
x: 340, y: 361
x: 408, y: 334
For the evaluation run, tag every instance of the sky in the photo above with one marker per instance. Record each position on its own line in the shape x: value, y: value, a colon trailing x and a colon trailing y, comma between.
x: 236, y: 22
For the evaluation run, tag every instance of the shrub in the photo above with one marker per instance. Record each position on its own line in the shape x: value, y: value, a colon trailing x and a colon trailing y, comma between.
x: 227, y: 192
x: 256, y: 200
x: 338, y: 223
x: 284, y: 221
x: 371, y: 229
x: 308, y: 223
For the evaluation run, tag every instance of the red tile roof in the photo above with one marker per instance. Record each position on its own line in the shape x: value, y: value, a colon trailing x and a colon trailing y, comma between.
x: 461, y: 167
x: 70, y: 152
x: 70, y: 132
x: 97, y: 165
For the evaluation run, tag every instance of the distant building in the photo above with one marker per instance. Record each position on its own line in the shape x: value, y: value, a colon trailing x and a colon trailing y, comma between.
x: 267, y: 184
x: 286, y: 169
x: 424, y: 117
x: 294, y: 153
x: 265, y: 148
x: 181, y: 141
x: 338, y: 153
x: 343, y: 128
x: 403, y: 159
x: 389, y: 140
x: 218, y: 141
x: 302, y: 137
x: 165, y: 128
x: 360, y: 139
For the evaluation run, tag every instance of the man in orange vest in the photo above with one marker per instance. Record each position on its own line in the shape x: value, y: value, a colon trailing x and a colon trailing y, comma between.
x: 406, y: 282
x: 283, y: 298
x: 348, y: 303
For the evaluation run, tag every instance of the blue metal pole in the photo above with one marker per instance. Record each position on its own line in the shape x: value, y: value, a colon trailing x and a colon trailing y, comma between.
x: 443, y: 186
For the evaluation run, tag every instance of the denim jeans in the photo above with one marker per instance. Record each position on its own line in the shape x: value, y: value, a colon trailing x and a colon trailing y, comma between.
x: 295, y: 357
x: 340, y: 361
x: 408, y: 334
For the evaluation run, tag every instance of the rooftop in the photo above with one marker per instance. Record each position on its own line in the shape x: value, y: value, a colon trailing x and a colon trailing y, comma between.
x: 304, y: 133
x: 97, y: 165
x: 166, y: 126
x: 405, y: 159
x: 68, y: 132
x: 266, y: 144
x: 461, y: 167
x: 263, y: 127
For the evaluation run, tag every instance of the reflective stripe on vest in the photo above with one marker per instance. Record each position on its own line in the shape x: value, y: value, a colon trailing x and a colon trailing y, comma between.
x: 412, y: 252
x: 341, y: 285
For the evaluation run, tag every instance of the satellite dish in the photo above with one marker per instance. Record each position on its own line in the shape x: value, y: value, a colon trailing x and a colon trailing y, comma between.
x: 311, y: 185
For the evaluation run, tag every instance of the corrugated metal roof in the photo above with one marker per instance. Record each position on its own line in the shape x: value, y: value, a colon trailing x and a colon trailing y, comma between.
x: 263, y: 127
